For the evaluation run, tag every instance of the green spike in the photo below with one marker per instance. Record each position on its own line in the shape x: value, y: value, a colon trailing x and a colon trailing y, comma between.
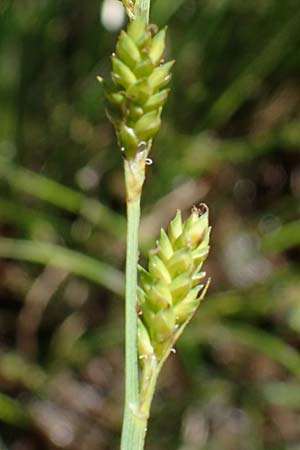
x: 137, y: 79
x: 173, y: 289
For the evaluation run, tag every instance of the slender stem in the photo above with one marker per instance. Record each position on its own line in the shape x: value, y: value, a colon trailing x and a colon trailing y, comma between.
x: 133, y: 433
x: 133, y: 215
x: 142, y: 8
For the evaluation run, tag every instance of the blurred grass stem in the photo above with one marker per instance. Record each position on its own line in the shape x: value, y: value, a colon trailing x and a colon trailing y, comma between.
x: 63, y: 197
x: 69, y: 260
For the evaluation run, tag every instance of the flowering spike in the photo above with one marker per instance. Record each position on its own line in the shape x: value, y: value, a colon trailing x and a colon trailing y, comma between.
x: 138, y: 78
x: 172, y: 288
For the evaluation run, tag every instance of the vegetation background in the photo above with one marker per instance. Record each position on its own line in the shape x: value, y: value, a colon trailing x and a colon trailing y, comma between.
x: 231, y: 138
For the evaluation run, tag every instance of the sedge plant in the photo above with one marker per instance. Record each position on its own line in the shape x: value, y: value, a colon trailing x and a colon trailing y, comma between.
x: 171, y: 287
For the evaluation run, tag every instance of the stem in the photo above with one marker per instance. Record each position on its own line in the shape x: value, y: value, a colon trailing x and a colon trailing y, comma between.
x: 134, y: 426
x: 131, y: 387
x: 134, y: 432
x: 142, y: 8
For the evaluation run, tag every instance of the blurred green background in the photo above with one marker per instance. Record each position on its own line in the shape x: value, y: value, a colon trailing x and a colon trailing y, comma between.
x: 231, y: 138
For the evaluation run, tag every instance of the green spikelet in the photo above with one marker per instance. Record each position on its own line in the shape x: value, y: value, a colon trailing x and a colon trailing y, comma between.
x: 139, y: 77
x: 171, y: 289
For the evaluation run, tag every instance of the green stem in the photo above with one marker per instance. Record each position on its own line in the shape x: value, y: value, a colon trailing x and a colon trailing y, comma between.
x: 142, y: 8
x: 133, y: 214
x: 133, y: 433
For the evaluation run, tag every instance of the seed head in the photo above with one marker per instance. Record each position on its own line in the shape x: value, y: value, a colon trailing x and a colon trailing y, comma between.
x: 171, y: 289
x: 136, y: 96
